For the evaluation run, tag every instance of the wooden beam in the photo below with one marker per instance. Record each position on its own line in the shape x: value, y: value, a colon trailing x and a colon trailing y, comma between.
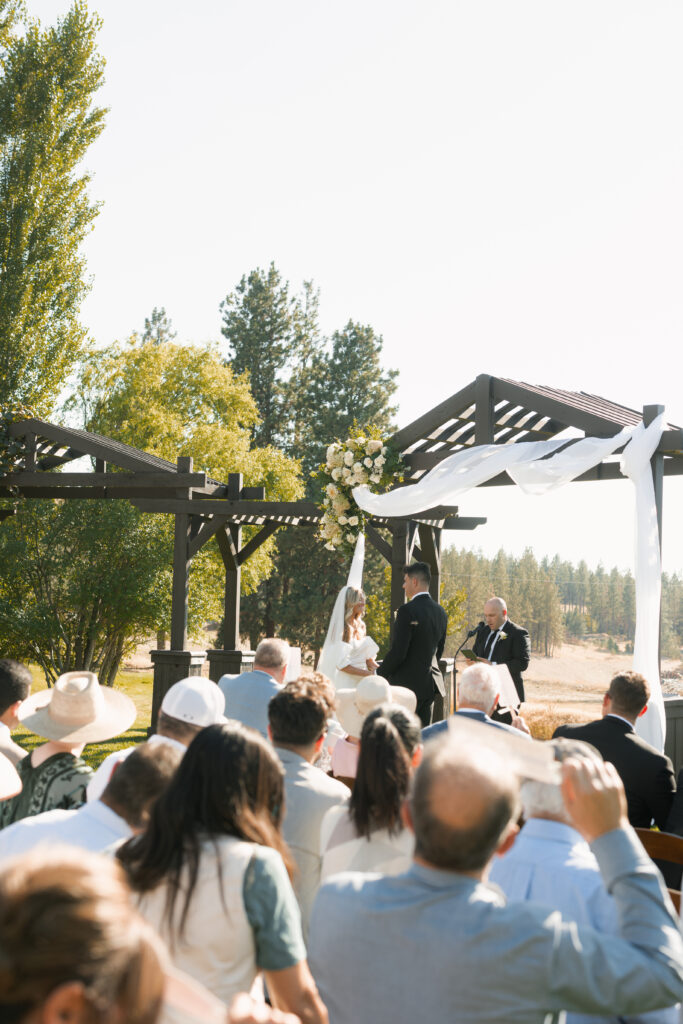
x: 114, y: 481
x: 226, y: 507
x: 227, y: 548
x: 233, y: 573
x: 256, y: 541
x: 555, y: 408
x: 430, y: 542
x: 436, y: 417
x: 205, y: 533
x: 483, y: 412
x: 181, y: 569
x: 378, y: 542
x: 463, y: 522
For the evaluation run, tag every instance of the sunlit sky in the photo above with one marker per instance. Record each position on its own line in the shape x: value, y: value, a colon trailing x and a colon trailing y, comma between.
x: 496, y: 187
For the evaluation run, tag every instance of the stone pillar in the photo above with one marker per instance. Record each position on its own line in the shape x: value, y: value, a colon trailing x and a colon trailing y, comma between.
x: 169, y: 667
x: 232, y: 663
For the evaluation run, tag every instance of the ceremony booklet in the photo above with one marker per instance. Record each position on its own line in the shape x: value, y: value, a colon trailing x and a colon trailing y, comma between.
x: 529, y: 759
x: 470, y: 655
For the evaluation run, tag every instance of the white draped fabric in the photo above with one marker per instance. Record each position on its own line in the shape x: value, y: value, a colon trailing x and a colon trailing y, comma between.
x: 539, y: 467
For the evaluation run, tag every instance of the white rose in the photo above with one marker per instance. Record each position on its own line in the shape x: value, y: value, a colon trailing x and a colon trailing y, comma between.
x: 348, y: 458
x: 330, y: 547
x: 331, y: 451
x: 342, y: 520
x: 373, y: 446
x: 346, y: 475
x: 375, y: 478
x: 353, y: 520
x: 380, y: 460
x: 357, y: 468
x: 368, y: 463
x: 384, y: 449
x: 336, y: 474
x: 350, y: 538
x: 331, y: 490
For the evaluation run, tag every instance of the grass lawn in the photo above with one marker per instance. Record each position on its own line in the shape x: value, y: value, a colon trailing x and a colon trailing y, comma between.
x: 138, y: 686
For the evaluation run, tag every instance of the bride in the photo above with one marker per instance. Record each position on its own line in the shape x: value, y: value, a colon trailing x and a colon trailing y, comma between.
x: 348, y: 653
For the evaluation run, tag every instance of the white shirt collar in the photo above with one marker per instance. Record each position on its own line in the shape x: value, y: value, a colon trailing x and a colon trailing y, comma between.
x: 621, y: 719
x: 420, y: 593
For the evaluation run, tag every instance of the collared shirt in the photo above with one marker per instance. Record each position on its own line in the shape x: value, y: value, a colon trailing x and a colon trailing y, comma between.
x: 550, y: 863
x: 100, y: 779
x: 621, y: 719
x: 373, y: 936
x: 92, y: 827
x: 247, y: 697
x: 420, y: 593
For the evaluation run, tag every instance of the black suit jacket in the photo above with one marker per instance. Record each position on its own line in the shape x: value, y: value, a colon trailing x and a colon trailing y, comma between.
x: 513, y: 651
x: 417, y: 645
x: 647, y: 775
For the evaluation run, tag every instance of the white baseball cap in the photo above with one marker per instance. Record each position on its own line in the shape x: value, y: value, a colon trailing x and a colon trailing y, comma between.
x: 195, y: 700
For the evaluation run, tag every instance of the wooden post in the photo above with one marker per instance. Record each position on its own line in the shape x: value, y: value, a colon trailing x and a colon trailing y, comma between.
x: 399, y: 557
x: 181, y: 569
x: 233, y: 576
x: 483, y: 410
x: 430, y: 546
x: 650, y: 413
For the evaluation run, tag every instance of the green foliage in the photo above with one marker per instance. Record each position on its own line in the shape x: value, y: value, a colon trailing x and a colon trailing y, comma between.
x: 47, y: 122
x: 158, y: 328
x: 555, y: 597
x: 260, y: 325
x: 310, y: 390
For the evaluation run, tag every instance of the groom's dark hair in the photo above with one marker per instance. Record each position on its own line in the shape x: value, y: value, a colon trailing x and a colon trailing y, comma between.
x: 419, y: 571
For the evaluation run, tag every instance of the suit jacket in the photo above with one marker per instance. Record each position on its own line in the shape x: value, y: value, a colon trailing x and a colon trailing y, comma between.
x: 418, y: 642
x: 247, y: 697
x: 431, y: 731
x: 647, y: 775
x: 513, y: 650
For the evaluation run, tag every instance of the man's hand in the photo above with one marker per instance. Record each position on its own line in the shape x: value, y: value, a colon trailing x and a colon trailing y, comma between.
x: 519, y: 723
x: 245, y: 1010
x: 593, y: 797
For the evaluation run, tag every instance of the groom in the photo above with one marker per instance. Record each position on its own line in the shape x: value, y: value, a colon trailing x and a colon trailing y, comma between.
x: 418, y: 642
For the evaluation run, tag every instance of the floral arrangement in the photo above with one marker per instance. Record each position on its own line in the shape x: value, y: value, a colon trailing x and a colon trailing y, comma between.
x: 361, y: 459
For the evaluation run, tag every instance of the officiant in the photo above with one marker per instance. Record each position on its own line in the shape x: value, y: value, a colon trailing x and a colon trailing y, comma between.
x: 501, y: 642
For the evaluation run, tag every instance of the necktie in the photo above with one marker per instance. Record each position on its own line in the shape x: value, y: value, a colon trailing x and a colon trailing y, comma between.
x: 489, y: 642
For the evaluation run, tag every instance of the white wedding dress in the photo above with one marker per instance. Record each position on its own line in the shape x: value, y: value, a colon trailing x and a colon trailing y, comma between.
x: 337, y: 654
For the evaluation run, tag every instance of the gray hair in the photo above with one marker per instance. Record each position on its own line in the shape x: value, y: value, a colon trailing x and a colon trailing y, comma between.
x: 544, y: 799
x: 272, y: 653
x: 478, y: 687
x: 498, y: 602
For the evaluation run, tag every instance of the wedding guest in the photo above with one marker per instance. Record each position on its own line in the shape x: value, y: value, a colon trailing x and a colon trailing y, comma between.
x: 369, y: 835
x: 247, y: 695
x: 72, y: 948
x: 122, y: 810
x: 297, y: 718
x: 353, y: 705
x: 209, y: 872
x: 76, y: 711
x: 15, y: 686
x: 188, y: 706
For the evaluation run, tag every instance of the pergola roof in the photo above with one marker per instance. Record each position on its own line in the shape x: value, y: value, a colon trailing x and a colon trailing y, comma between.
x: 496, y: 410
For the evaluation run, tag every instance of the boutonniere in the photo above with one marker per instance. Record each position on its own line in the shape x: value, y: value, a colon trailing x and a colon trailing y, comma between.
x: 415, y: 623
x: 502, y: 636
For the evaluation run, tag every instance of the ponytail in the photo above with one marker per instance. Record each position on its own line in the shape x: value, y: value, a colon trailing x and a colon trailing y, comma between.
x: 388, y: 740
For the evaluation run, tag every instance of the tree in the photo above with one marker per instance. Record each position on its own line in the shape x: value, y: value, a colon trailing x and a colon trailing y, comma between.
x: 47, y: 122
x: 158, y: 328
x: 82, y: 581
x: 260, y: 325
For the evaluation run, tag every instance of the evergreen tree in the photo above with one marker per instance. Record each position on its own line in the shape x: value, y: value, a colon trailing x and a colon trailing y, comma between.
x: 158, y: 328
x: 260, y: 322
x: 47, y: 122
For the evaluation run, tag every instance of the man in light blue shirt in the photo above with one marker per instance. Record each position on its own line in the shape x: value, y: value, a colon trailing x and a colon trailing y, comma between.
x: 477, y: 698
x: 247, y: 696
x: 551, y: 864
x: 438, y: 944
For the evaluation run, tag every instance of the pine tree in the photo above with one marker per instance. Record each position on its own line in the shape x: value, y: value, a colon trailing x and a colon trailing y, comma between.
x: 158, y: 328
x: 47, y: 122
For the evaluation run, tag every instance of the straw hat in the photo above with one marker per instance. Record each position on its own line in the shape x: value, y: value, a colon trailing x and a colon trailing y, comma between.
x: 78, y: 710
x: 354, y: 705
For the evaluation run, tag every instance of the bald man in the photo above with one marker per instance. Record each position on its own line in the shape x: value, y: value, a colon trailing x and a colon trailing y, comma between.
x: 436, y: 943
x: 501, y: 642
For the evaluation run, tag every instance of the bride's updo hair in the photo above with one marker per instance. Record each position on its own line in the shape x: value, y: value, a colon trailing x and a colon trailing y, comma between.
x: 354, y: 596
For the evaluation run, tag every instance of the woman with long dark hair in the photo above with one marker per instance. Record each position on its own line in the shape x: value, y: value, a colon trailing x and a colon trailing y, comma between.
x: 210, y: 872
x: 369, y: 834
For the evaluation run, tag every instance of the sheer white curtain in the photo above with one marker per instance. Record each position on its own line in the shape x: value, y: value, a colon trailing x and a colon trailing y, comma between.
x: 538, y: 467
x: 334, y: 643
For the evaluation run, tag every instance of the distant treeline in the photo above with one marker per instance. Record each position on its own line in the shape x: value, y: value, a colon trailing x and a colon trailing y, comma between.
x: 555, y: 599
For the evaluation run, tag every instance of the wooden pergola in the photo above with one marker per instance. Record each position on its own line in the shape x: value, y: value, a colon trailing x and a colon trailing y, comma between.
x: 489, y: 410
x: 202, y: 508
